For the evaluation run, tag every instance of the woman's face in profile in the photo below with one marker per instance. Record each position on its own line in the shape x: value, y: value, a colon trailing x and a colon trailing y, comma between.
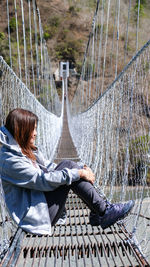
x: 33, y: 135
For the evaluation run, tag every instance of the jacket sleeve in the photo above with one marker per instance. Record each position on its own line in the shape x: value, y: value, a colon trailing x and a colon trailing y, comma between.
x: 21, y: 172
x: 44, y: 162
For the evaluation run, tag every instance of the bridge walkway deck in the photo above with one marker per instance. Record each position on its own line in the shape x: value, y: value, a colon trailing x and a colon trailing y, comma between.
x: 76, y: 243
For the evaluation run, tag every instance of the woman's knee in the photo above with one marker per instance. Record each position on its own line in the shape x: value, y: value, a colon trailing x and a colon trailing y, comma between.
x: 67, y: 164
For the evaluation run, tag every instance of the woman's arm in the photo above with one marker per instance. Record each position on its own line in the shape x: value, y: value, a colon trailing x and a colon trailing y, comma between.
x: 87, y: 174
x: 44, y: 162
x: 21, y: 172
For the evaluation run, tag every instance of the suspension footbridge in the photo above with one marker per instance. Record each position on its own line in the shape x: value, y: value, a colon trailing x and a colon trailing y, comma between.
x: 106, y: 126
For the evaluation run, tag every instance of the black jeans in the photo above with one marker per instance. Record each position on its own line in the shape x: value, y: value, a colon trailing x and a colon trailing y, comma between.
x: 56, y: 199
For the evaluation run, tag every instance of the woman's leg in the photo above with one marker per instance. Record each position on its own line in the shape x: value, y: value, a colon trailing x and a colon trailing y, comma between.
x: 89, y: 195
x: 56, y: 202
x: 85, y: 190
x: 56, y: 199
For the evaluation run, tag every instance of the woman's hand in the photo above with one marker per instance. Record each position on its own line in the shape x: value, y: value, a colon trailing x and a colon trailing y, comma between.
x: 87, y: 174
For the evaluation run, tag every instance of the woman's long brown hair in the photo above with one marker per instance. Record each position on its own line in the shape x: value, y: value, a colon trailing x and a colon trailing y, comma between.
x: 20, y: 123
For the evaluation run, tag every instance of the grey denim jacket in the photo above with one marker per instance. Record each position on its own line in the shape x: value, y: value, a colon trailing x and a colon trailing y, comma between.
x: 24, y: 184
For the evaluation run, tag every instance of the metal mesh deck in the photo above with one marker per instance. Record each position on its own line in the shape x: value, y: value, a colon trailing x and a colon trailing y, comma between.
x: 76, y: 243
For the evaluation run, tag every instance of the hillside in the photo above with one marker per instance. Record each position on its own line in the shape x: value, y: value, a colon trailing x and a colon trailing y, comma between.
x: 66, y: 26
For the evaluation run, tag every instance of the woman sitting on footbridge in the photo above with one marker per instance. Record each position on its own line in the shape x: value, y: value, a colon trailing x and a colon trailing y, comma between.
x: 36, y: 189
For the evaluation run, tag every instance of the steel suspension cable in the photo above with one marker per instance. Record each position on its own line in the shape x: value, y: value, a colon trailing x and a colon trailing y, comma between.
x: 137, y: 26
x: 18, y: 48
x: 31, y: 49
x: 127, y: 32
x: 9, y: 38
x: 105, y: 46
x: 24, y: 40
